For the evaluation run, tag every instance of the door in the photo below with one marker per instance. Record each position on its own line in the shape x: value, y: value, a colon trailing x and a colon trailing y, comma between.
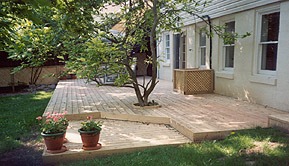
x: 183, y: 51
x: 177, y: 51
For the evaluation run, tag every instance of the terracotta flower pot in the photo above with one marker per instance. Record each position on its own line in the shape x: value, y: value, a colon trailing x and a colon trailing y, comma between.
x: 73, y: 76
x: 65, y: 140
x: 90, y: 139
x: 54, y: 142
x: 63, y: 78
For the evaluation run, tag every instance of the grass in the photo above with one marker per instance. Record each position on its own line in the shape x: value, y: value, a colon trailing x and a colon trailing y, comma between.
x: 17, y: 118
x: 247, y: 147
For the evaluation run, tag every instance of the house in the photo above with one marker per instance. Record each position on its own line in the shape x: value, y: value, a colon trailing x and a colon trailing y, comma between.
x: 255, y: 68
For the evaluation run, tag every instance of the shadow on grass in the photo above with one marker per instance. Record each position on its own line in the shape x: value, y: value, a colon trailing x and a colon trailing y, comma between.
x: 17, y: 118
x: 26, y: 154
x: 234, y: 150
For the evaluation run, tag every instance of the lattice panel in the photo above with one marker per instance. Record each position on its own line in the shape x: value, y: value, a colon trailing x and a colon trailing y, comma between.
x: 199, y: 81
x: 193, y: 81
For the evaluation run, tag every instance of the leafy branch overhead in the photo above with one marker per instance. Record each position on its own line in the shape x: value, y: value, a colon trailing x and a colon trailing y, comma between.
x: 97, y: 42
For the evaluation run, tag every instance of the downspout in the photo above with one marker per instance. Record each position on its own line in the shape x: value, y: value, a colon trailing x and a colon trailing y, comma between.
x: 211, y: 45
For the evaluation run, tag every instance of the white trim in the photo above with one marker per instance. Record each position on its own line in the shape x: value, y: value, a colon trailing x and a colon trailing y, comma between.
x: 225, y: 74
x: 268, y: 10
x: 198, y: 34
x: 263, y: 79
x: 166, y: 64
x: 258, y: 43
x: 224, y: 58
x: 165, y: 46
x: 223, y: 46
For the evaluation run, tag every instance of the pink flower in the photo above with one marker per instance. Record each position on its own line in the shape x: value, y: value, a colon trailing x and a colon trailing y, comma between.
x: 39, y: 118
x: 65, y: 112
x: 60, y: 115
x: 89, y: 117
x: 55, y: 119
x: 55, y: 112
x: 49, y: 117
x: 48, y: 113
x: 47, y: 121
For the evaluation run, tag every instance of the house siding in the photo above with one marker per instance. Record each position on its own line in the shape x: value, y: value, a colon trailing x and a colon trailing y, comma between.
x: 219, y: 8
x: 242, y: 82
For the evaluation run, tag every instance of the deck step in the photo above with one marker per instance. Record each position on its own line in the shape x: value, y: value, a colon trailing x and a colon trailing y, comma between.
x: 116, y: 137
x: 280, y: 121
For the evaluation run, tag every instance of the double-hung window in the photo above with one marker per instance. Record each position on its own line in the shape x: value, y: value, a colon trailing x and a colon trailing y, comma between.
x: 167, y: 46
x: 268, y: 42
x: 229, y: 46
x: 202, y: 47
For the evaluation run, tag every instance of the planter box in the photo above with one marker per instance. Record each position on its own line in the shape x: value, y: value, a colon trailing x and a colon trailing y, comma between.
x: 193, y: 81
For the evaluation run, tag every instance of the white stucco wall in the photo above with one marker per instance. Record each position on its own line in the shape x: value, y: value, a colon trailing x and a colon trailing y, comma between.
x: 191, y: 49
x: 166, y: 66
x: 243, y: 81
x: 282, y: 92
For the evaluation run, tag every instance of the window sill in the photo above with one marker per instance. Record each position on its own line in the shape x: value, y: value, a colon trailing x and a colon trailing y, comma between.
x: 167, y: 64
x: 263, y: 79
x: 225, y: 74
x: 203, y: 67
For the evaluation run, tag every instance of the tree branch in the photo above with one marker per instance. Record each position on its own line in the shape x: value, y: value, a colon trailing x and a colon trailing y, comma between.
x: 148, y: 4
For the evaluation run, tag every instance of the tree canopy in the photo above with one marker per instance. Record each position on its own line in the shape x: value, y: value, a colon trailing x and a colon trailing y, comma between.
x: 35, y: 30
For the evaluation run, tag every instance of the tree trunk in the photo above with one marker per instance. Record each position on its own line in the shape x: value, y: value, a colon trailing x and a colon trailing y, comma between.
x: 154, y: 56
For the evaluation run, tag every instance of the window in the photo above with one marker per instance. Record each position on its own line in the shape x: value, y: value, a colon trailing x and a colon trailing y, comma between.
x: 268, y: 41
x: 202, y: 47
x: 229, y: 47
x: 167, y: 46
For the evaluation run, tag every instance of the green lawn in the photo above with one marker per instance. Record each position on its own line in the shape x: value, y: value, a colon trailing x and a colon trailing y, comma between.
x: 17, y: 118
x: 247, y: 147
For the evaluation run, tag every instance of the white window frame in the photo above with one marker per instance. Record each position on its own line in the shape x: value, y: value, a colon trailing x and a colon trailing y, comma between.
x: 200, y: 49
x: 230, y: 69
x: 258, y: 50
x: 167, y: 47
x: 184, y: 50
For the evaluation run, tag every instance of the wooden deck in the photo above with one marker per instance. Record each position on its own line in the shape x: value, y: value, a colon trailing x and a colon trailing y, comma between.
x: 199, y: 113
x: 116, y: 137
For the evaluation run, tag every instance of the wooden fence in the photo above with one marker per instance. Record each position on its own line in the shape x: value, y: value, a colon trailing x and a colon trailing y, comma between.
x: 23, y: 77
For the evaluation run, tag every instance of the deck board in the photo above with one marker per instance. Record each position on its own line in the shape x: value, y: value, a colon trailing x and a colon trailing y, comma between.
x: 200, y: 113
x: 116, y: 137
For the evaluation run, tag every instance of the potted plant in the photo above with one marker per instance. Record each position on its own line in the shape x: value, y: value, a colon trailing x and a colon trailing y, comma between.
x: 53, y: 129
x: 73, y: 76
x: 89, y: 132
x: 62, y: 75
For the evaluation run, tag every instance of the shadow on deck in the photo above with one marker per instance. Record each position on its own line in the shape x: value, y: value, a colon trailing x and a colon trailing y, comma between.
x: 198, y: 117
